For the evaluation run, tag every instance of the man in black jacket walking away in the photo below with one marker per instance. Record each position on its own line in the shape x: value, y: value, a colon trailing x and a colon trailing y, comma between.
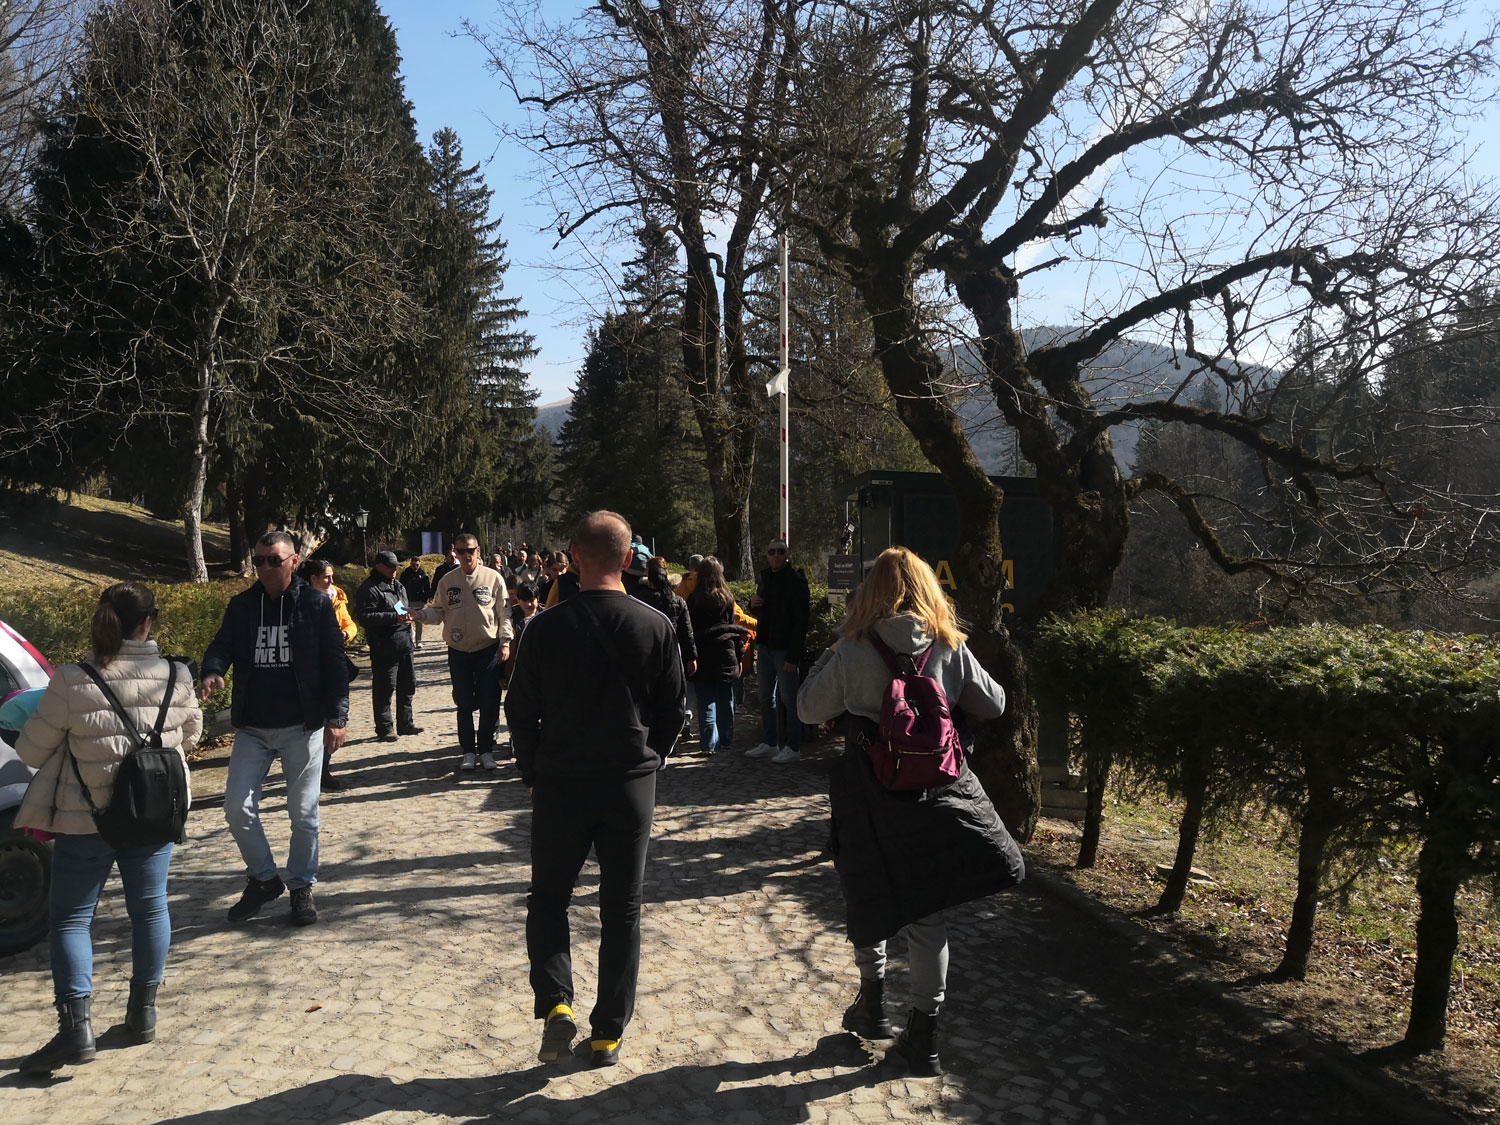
x: 595, y: 705
x: 383, y: 609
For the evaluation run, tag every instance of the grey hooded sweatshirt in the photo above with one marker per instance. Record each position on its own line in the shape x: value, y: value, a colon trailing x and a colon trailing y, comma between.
x: 852, y: 677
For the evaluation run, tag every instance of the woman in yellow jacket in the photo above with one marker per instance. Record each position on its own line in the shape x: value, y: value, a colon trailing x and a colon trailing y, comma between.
x: 318, y: 573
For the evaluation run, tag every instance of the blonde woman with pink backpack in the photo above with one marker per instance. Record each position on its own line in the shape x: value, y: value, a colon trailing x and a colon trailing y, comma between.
x: 906, y: 855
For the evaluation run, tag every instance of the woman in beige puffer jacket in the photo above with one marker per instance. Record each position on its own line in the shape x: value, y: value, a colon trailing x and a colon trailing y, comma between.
x: 73, y: 721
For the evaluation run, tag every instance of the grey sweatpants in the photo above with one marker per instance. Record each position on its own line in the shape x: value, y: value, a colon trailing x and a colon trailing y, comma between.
x: 927, y: 956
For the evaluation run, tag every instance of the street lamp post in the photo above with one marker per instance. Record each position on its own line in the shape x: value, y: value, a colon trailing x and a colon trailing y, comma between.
x: 361, y: 518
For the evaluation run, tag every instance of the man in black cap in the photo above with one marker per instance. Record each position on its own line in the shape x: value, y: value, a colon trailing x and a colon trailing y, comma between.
x: 383, y: 611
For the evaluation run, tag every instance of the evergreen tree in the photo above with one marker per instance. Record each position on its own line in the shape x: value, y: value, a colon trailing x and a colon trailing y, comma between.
x: 308, y: 464
x: 631, y: 442
x: 627, y: 442
x: 493, y: 462
x: 221, y: 258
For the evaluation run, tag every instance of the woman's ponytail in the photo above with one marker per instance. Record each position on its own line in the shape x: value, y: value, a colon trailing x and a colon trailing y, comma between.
x: 121, y: 610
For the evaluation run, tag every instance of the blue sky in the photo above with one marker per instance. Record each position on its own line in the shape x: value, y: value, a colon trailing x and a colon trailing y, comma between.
x: 448, y: 83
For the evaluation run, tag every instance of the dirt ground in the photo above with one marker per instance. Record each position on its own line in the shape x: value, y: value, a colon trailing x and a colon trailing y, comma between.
x: 1357, y: 989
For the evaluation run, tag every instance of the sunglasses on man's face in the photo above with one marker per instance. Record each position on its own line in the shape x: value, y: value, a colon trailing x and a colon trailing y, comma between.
x: 268, y: 560
x: 465, y: 550
x: 775, y: 550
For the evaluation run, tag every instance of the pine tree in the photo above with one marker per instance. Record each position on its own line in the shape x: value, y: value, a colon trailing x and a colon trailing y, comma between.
x: 494, y: 463
x: 223, y: 254
x: 631, y: 442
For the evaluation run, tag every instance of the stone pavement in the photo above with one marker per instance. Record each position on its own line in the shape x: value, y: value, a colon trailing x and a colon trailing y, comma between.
x: 408, y: 1000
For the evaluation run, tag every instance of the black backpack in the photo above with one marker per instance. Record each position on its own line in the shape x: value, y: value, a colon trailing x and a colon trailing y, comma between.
x: 149, y: 804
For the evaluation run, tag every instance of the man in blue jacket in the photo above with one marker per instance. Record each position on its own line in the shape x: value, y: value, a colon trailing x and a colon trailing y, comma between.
x: 290, y: 686
x: 595, y: 705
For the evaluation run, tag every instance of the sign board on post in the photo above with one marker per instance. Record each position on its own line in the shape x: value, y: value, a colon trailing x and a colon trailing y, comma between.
x: 917, y: 511
x: 844, y: 573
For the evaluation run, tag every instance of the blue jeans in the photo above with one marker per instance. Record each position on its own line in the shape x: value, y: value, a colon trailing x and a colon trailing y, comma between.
x: 80, y: 865
x: 301, y: 754
x: 777, y: 685
x: 476, y: 683
x: 715, y: 715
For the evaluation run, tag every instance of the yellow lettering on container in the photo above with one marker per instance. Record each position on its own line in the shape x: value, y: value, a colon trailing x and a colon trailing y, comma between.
x: 945, y: 575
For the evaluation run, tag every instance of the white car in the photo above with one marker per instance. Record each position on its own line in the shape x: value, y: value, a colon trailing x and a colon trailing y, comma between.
x: 25, y: 864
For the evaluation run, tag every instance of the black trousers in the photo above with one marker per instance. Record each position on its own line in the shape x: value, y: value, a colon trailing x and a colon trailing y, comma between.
x: 567, y: 818
x: 392, y: 671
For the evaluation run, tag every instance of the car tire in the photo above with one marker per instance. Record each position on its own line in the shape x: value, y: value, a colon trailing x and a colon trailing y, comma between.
x: 25, y: 887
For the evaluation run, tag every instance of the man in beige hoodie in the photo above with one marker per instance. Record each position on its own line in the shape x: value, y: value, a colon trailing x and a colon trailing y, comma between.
x: 470, y: 604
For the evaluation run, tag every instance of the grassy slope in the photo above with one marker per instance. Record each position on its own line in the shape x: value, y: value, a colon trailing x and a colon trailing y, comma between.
x: 91, y: 542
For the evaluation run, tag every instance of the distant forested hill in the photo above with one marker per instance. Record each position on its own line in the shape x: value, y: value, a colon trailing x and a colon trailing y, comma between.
x: 1129, y: 370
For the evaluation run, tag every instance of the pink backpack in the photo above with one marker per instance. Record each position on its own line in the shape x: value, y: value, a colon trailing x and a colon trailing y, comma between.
x: 917, y: 746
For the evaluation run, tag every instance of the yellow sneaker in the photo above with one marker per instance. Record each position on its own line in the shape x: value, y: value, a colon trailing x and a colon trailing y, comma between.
x: 606, y: 1051
x: 557, y: 1034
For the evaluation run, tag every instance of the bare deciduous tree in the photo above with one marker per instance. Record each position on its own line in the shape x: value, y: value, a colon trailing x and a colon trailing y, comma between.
x: 1206, y: 177
x: 663, y: 112
x: 36, y: 38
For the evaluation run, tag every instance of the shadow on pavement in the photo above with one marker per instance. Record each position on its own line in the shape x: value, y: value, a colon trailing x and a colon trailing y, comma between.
x: 706, y: 1092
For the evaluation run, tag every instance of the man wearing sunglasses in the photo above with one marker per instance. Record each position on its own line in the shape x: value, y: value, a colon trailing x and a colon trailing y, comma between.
x: 783, y: 605
x: 290, y: 686
x: 470, y: 603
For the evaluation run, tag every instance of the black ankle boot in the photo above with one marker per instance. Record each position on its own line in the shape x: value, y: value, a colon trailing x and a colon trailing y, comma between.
x: 329, y: 782
x: 140, y: 1013
x: 918, y: 1045
x: 73, y: 1043
x: 866, y: 1016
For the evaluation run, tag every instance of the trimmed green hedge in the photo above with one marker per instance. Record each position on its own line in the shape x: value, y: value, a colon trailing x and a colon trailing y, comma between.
x: 1362, y: 736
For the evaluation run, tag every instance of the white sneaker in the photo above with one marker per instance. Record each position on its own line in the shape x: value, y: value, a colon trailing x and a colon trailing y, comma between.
x: 764, y: 750
x: 468, y: 762
x: 786, y: 754
x: 487, y: 761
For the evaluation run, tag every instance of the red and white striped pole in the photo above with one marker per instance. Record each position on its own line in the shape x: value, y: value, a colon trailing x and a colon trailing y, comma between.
x: 784, y: 377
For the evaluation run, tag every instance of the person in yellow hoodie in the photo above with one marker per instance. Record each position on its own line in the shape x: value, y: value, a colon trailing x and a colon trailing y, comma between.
x: 470, y: 603
x: 318, y: 573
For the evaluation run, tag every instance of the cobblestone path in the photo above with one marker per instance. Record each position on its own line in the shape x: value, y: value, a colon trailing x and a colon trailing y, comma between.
x: 408, y: 1000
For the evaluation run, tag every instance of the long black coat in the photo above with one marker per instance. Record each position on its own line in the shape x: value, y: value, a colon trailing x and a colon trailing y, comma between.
x: 721, y: 642
x: 903, y: 856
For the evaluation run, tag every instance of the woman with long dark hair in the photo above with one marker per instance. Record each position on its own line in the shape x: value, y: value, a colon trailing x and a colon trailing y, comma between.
x: 904, y: 857
x: 76, y: 739
x: 655, y: 589
x: 721, y: 644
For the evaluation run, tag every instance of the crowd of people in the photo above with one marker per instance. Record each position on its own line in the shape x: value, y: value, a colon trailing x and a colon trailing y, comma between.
x: 617, y: 653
